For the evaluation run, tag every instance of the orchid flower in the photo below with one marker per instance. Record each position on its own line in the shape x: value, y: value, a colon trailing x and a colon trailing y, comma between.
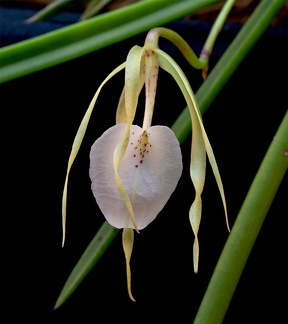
x: 134, y: 170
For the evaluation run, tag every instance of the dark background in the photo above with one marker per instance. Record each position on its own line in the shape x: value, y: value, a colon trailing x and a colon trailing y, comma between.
x: 40, y: 115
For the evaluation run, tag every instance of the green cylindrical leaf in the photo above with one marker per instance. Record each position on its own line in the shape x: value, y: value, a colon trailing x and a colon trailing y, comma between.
x: 52, y: 9
x: 85, y: 37
x: 92, y: 254
x: 245, y: 230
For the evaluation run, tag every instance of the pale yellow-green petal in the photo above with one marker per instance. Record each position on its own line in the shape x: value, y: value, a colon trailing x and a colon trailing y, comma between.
x: 77, y: 143
x: 134, y: 74
x: 178, y: 74
x: 151, y: 77
x: 121, y: 116
x: 195, y: 217
x: 197, y: 158
x: 134, y: 79
x: 198, y: 153
x: 216, y: 173
x: 127, y: 241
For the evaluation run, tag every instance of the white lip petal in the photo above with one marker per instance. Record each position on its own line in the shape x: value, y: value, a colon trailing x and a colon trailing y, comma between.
x: 149, y: 170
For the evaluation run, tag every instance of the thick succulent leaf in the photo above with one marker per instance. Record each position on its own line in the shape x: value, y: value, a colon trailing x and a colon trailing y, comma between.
x: 150, y: 170
x: 77, y: 143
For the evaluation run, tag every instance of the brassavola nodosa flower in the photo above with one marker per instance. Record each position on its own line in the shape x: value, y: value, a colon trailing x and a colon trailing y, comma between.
x: 134, y: 170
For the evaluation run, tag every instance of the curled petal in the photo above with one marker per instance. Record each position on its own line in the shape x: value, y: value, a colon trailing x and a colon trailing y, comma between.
x: 77, y: 143
x: 200, y: 144
x: 127, y: 242
x: 150, y: 170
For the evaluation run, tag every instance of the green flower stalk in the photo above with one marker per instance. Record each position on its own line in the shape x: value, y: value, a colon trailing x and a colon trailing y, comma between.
x: 134, y: 170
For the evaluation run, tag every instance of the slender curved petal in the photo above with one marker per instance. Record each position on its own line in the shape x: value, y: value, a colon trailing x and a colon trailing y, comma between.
x: 127, y: 242
x: 200, y: 144
x: 77, y: 143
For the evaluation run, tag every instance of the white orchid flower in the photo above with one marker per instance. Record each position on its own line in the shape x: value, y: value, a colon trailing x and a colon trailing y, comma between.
x: 134, y: 170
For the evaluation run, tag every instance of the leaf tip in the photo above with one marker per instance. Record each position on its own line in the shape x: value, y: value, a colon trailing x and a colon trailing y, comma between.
x: 56, y: 306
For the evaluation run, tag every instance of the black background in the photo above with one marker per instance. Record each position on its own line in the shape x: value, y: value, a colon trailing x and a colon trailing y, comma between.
x: 40, y: 115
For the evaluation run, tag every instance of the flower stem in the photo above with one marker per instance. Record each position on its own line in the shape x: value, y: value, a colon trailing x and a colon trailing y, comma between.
x: 215, y: 30
x: 229, y: 62
x: 184, y: 47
